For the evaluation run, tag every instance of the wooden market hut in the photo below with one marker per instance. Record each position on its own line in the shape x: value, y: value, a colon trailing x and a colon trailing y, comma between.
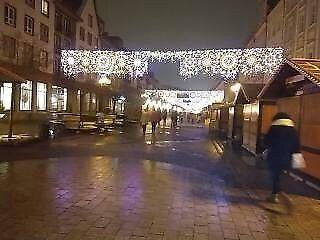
x: 295, y: 89
x: 238, y: 129
x: 228, y: 117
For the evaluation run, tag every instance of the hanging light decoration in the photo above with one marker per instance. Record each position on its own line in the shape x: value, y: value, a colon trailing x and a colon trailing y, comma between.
x: 225, y: 62
x: 189, y: 101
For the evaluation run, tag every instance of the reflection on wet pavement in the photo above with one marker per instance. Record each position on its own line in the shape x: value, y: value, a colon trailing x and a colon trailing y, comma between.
x: 141, y: 191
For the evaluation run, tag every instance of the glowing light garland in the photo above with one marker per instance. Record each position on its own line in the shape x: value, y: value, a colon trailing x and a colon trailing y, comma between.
x: 225, y: 62
x: 188, y: 101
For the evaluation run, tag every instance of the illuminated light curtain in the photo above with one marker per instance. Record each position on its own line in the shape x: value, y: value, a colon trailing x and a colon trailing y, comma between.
x: 225, y: 62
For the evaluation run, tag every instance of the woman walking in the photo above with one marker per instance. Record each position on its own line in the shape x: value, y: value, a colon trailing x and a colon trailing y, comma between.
x: 282, y: 142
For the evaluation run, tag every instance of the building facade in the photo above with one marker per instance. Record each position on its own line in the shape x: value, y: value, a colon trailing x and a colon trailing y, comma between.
x: 291, y: 24
x: 26, y: 36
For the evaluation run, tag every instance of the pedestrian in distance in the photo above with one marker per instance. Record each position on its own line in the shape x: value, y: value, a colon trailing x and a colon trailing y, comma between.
x: 174, y: 119
x: 282, y: 142
x: 164, y: 117
x: 158, y: 117
x: 154, y: 119
x: 144, y: 120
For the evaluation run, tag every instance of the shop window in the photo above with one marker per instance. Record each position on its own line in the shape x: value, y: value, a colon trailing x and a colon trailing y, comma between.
x: 44, y: 32
x: 26, y: 96
x: 30, y: 3
x: 78, y: 100
x: 44, y: 59
x: 90, y: 20
x: 10, y: 15
x: 86, y: 100
x: 9, y: 47
x: 41, y: 96
x: 93, y: 102
x: 28, y: 25
x: 82, y: 34
x: 45, y: 7
x: 90, y: 39
x: 59, y: 99
x: 5, y: 96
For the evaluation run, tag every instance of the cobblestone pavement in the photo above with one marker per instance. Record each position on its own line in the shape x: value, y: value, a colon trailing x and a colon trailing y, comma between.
x: 122, y: 186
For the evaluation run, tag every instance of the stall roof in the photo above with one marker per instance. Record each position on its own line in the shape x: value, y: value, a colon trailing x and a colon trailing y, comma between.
x: 309, y: 68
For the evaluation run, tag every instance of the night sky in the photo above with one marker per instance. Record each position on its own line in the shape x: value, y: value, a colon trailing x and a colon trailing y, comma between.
x: 181, y: 24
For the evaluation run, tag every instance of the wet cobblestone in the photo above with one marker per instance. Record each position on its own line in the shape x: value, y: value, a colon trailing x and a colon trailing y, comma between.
x: 128, y: 196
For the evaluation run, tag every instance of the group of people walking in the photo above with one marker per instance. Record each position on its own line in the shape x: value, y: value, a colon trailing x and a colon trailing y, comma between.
x: 155, y: 117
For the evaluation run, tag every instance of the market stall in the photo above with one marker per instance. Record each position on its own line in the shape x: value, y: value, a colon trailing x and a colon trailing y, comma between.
x: 296, y: 90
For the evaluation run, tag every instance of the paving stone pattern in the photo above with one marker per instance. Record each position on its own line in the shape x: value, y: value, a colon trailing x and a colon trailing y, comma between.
x: 108, y: 197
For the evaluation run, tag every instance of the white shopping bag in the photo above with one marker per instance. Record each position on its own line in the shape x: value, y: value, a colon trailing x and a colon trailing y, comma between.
x: 298, y: 161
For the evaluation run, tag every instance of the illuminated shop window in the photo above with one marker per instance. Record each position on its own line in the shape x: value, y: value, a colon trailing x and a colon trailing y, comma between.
x: 86, y: 100
x: 26, y: 96
x: 78, y: 100
x: 5, y: 96
x: 59, y: 99
x: 94, y: 102
x: 41, y: 96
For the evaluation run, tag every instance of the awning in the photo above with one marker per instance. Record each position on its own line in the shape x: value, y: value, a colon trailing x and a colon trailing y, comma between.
x: 9, y: 76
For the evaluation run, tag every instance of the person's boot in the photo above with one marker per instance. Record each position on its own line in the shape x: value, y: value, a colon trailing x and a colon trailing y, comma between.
x: 273, y: 198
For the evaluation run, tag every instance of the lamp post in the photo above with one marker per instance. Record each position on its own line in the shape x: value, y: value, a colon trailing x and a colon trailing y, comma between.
x: 13, y: 103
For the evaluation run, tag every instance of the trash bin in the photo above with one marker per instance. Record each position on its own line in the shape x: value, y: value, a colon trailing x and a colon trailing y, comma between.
x: 44, y: 131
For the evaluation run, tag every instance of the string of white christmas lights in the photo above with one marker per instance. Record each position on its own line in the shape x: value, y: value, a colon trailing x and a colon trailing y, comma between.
x: 189, y: 101
x: 226, y: 62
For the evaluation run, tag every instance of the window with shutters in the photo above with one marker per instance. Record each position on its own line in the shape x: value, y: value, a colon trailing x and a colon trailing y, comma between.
x: 28, y: 25
x: 10, y: 15
x: 9, y: 47
x: 31, y: 3
x: 82, y: 34
x: 45, y: 7
x: 27, y: 54
x: 44, y: 32
x: 90, y: 20
x: 313, y: 12
x: 90, y: 39
x: 44, y: 59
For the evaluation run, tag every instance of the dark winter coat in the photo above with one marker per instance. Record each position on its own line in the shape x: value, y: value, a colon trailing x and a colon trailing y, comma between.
x: 281, y: 141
